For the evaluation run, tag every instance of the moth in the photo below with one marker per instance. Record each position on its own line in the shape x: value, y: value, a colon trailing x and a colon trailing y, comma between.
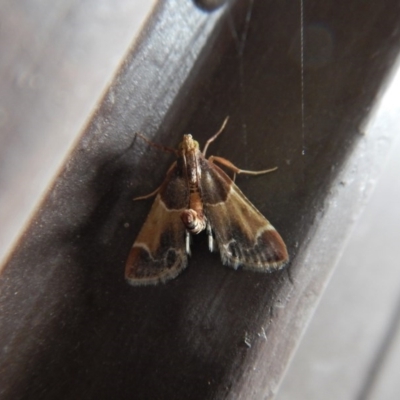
x: 198, y: 195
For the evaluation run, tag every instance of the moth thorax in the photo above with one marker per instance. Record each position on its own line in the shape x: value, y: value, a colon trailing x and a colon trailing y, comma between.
x: 194, y: 222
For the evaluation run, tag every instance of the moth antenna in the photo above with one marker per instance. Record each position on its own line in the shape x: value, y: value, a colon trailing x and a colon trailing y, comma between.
x: 212, y: 138
x: 157, y: 146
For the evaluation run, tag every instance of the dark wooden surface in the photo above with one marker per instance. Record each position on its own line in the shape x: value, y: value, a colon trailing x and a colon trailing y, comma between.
x: 72, y: 328
x: 354, y: 335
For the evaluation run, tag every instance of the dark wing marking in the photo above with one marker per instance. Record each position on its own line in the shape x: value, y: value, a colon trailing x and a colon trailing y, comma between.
x: 174, y: 191
x: 243, y: 235
x: 159, y: 253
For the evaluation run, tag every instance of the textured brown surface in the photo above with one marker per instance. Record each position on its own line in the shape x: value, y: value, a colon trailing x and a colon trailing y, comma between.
x: 71, y: 326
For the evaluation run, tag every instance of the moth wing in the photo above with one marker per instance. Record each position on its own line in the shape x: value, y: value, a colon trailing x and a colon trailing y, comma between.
x: 159, y: 252
x: 243, y: 235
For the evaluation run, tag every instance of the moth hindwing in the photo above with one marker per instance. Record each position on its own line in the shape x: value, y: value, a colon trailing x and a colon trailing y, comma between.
x: 197, y: 195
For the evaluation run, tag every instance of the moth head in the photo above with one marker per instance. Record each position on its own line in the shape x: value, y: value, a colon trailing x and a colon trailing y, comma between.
x: 188, y: 144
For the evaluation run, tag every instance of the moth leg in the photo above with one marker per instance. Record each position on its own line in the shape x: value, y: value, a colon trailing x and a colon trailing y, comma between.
x: 147, y: 196
x: 188, y: 241
x: 212, y: 138
x: 236, y: 170
x: 211, y: 241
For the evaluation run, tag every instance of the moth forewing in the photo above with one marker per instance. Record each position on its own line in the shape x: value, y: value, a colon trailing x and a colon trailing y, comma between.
x: 243, y: 235
x: 160, y: 251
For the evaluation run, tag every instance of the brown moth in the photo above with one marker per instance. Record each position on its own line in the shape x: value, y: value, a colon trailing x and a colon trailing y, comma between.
x: 198, y: 195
